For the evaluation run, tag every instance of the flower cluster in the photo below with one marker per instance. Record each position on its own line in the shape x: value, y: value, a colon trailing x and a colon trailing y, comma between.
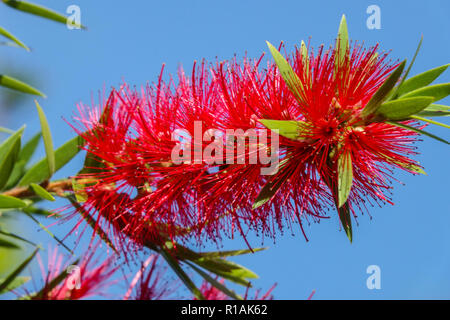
x: 135, y: 188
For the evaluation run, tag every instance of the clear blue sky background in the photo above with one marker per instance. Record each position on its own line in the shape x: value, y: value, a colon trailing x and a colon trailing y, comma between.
x: 129, y: 40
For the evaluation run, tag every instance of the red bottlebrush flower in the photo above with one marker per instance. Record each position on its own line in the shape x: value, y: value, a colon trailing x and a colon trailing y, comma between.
x: 148, y: 283
x: 212, y: 293
x: 139, y: 191
x: 330, y: 110
x: 86, y: 279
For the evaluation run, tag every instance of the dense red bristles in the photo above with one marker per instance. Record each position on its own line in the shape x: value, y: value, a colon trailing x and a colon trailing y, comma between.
x: 132, y: 135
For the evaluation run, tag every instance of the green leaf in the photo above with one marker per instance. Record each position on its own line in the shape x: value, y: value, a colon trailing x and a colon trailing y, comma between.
x: 15, y: 236
x: 182, y: 275
x: 342, y: 42
x: 431, y: 121
x: 215, y: 267
x: 10, y: 36
x: 229, y: 253
x: 346, y: 221
x: 39, y: 172
x: 270, y: 188
x: 15, y: 84
x: 13, y: 275
x: 39, y: 11
x: 48, y: 142
x: 40, y: 212
x: 290, y: 129
x: 29, y: 148
x: 79, y: 191
x: 8, y: 244
x: 435, y: 110
x: 41, y: 192
x: 16, y: 283
x: 437, y: 91
x: 401, y: 109
x: 216, y: 284
x: 8, y: 202
x: 395, y: 94
x: 421, y: 80
x: 290, y: 77
x: 9, y: 151
x: 24, y: 156
x: 6, y: 130
x: 47, y: 231
x: 404, y: 126
x: 267, y: 192
x: 345, y: 177
x: 414, y: 168
x: 92, y: 222
x: 225, y: 266
x: 383, y: 91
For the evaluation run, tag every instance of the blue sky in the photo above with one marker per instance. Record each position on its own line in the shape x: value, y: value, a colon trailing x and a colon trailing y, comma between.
x: 129, y: 40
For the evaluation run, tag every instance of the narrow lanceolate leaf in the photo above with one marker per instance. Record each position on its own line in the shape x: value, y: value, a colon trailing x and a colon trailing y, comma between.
x: 39, y: 172
x: 48, y: 142
x: 29, y: 148
x: 395, y: 94
x: 8, y: 202
x: 38, y: 11
x: 342, y: 42
x: 216, y: 284
x: 10, y: 36
x: 290, y: 77
x: 421, y: 80
x: 345, y: 218
x: 345, y: 177
x: 404, y: 126
x: 226, y: 274
x: 431, y: 121
x: 435, y: 110
x: 9, y: 151
x: 410, y: 166
x: 13, y: 275
x: 48, y: 231
x: 15, y: 84
x: 230, y: 253
x: 290, y: 129
x: 8, y: 244
x: 17, y: 237
x: 380, y: 95
x: 41, y: 192
x: 6, y: 130
x: 270, y: 188
x: 226, y: 267
x: 182, y: 275
x: 437, y: 91
x: 267, y: 192
x: 401, y: 109
x: 22, y: 160
x: 16, y: 283
x: 304, y: 52
x: 92, y: 222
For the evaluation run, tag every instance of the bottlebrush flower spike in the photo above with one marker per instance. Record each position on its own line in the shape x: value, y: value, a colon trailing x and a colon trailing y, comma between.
x: 344, y: 126
x: 349, y: 144
x: 63, y: 281
x: 212, y: 293
x: 148, y: 283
